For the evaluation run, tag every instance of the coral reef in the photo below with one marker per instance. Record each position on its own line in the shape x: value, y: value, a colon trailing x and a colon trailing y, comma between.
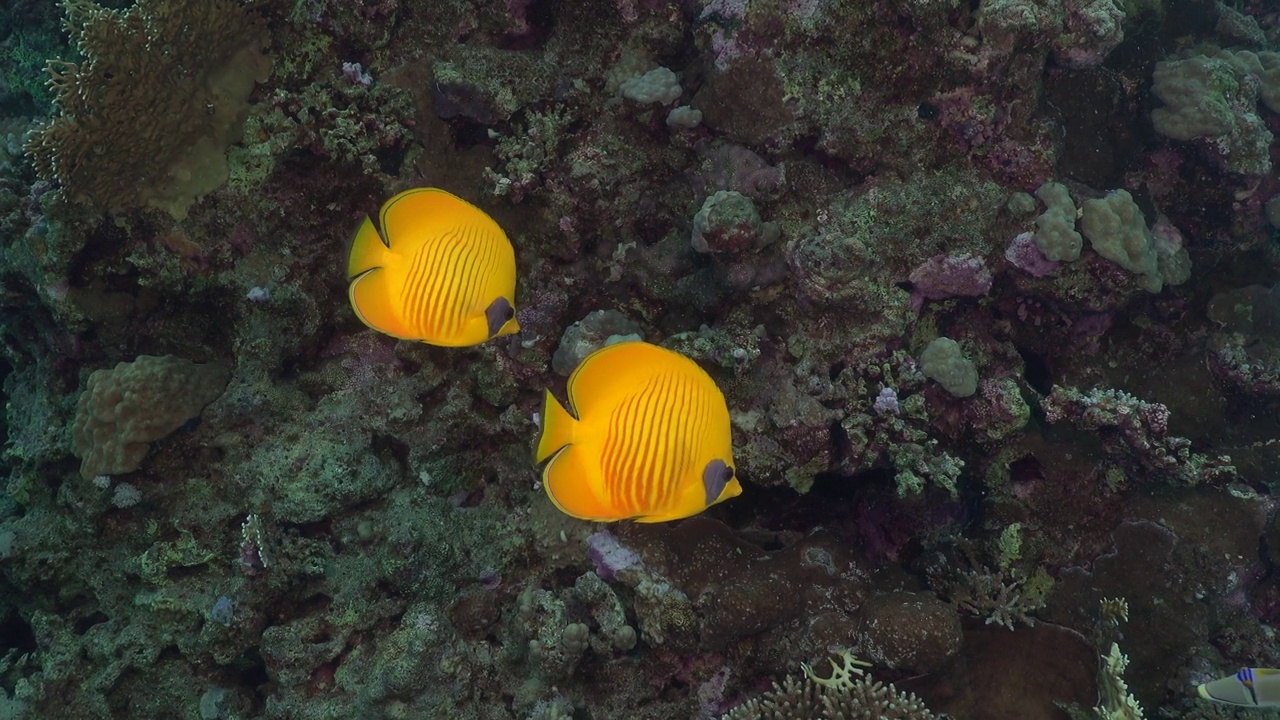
x: 989, y: 289
x: 1138, y: 433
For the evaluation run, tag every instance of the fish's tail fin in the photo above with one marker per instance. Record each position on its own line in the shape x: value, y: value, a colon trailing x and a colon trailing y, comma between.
x: 367, y: 288
x: 571, y: 478
x: 368, y: 251
x: 557, y: 428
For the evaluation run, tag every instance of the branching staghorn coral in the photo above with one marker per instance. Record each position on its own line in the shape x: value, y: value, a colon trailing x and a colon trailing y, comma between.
x: 988, y: 594
x: 1114, y: 701
x: 849, y: 694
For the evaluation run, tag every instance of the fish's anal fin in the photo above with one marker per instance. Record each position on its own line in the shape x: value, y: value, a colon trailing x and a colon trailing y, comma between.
x: 371, y: 300
x: 662, y: 517
x: 368, y: 250
x: 568, y: 480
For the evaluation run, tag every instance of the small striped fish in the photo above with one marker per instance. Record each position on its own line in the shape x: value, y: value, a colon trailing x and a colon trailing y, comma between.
x: 1251, y: 687
x: 441, y: 271
x: 646, y: 437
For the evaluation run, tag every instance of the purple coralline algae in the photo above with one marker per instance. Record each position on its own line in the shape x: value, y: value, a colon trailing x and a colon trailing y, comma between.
x: 886, y: 402
x: 946, y: 276
x: 1025, y: 254
x: 609, y: 555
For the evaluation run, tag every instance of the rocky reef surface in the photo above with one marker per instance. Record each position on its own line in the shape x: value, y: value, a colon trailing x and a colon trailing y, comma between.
x: 990, y: 288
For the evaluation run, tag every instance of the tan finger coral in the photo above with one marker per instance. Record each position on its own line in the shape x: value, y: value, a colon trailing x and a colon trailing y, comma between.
x: 124, y: 409
x: 146, y: 117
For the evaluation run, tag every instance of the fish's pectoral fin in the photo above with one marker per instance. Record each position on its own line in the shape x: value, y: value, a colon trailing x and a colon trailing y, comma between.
x: 498, y: 314
x: 715, y: 476
x: 570, y: 481
x: 371, y: 299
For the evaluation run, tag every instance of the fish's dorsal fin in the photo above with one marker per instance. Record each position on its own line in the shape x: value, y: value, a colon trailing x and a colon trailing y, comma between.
x: 405, y: 217
x: 599, y: 380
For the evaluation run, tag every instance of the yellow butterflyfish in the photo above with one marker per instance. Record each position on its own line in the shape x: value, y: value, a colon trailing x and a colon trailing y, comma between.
x: 646, y: 436
x: 441, y: 271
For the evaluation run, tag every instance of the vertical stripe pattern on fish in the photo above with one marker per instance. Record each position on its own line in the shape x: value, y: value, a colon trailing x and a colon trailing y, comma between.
x: 1250, y: 687
x: 440, y: 271
x: 647, y: 437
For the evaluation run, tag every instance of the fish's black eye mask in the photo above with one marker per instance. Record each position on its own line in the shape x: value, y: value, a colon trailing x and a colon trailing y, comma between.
x: 715, y: 476
x: 497, y: 315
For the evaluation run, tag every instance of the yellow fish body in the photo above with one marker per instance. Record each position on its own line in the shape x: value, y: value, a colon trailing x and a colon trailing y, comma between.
x: 441, y: 271
x: 646, y: 436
